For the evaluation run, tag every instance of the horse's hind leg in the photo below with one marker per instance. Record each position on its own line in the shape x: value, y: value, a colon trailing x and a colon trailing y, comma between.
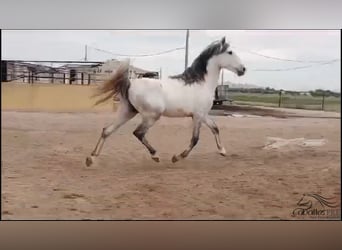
x: 123, y: 114
x: 214, y: 129
x: 141, y: 130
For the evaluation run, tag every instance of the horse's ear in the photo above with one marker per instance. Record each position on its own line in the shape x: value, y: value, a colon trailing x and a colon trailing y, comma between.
x: 223, y: 40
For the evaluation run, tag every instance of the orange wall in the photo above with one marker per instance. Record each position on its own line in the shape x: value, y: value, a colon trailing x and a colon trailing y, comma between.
x: 50, y: 97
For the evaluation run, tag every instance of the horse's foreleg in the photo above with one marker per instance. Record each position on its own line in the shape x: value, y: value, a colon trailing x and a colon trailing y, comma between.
x: 195, y: 137
x: 140, y: 132
x: 214, y: 129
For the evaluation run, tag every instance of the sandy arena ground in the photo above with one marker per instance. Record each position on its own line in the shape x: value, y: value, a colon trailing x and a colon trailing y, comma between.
x: 44, y: 174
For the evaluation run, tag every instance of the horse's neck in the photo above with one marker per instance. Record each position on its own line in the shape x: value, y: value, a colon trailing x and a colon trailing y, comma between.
x: 213, y: 73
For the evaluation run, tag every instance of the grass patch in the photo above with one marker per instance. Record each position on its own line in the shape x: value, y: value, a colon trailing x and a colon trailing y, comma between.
x: 288, y: 101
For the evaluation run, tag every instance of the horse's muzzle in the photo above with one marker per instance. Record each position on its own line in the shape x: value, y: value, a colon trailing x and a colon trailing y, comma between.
x: 241, y: 72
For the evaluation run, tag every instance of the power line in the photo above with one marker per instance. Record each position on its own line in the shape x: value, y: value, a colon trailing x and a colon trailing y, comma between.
x: 282, y: 59
x: 300, y: 67
x: 141, y: 55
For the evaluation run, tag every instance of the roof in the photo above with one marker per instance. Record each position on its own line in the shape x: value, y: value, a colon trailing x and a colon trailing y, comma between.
x: 80, y: 65
x: 87, y: 65
x: 115, y: 63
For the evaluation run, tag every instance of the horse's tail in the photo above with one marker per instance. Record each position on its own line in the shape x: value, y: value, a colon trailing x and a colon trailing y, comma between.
x: 117, y: 85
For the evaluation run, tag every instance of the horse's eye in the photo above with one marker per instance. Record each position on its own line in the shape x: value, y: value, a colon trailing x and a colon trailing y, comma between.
x: 230, y: 52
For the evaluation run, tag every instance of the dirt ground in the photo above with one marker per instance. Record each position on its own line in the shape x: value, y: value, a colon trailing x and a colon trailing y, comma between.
x: 44, y: 174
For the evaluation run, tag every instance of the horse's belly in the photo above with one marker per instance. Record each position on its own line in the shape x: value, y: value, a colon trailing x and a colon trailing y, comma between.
x: 178, y: 106
x: 177, y: 112
x: 182, y: 105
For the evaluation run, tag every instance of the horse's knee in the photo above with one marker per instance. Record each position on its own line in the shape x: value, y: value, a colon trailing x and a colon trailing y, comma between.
x: 215, y: 130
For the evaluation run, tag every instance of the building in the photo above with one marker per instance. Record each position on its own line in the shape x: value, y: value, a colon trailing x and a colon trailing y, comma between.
x: 74, y: 72
x: 23, y: 71
x: 80, y: 73
x: 108, y: 68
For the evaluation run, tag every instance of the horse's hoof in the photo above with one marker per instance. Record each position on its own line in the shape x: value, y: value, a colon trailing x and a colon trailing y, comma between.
x: 155, y: 158
x: 174, y: 159
x: 223, y: 152
x: 89, y: 161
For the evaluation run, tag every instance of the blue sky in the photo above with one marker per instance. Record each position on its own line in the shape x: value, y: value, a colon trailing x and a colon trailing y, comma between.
x: 310, y: 45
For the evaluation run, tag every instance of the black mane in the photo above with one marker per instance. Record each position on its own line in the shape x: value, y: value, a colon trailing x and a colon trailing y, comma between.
x: 198, y: 69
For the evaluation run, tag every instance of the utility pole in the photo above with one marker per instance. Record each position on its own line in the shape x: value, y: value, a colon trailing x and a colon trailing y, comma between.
x: 186, y: 48
x: 86, y: 53
x: 323, y: 101
x: 222, y: 74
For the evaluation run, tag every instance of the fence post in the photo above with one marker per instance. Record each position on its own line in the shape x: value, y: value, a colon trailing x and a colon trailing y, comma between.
x: 323, y: 101
x: 88, y: 79
x: 52, y: 77
x: 82, y: 78
x: 64, y: 78
x: 279, y: 102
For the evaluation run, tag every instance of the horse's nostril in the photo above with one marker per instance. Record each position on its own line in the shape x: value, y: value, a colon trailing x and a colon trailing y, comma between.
x: 243, y: 69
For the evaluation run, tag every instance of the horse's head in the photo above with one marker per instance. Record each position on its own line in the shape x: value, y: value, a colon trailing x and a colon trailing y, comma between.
x: 228, y: 59
x: 216, y: 56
